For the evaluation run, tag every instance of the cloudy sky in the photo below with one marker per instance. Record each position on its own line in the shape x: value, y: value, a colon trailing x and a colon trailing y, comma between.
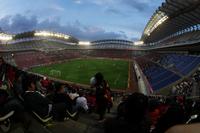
x: 84, y: 19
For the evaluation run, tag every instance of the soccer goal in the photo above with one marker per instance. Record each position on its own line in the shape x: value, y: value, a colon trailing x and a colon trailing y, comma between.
x: 55, y: 73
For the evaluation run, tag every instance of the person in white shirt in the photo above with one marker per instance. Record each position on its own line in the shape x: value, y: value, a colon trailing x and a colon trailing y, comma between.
x: 81, y: 102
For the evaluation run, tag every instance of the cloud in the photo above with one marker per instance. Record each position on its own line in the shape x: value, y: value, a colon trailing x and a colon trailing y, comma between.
x: 78, y: 1
x: 139, y: 5
x: 26, y: 23
x: 103, y: 2
x: 5, y: 21
x: 97, y: 2
x: 114, y: 11
x: 142, y: 5
x: 19, y: 23
x: 56, y: 8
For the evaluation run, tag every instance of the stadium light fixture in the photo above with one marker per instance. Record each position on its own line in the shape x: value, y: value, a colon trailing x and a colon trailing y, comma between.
x: 85, y: 43
x: 157, y: 20
x: 51, y: 34
x: 5, y: 37
x: 138, y: 43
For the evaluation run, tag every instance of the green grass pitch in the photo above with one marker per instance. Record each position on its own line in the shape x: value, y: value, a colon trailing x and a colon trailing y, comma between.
x: 81, y: 70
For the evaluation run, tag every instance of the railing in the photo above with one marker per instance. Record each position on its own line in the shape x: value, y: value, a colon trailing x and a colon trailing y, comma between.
x: 143, y: 84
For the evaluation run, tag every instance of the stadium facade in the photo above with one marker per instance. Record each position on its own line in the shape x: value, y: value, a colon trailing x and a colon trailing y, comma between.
x: 112, y: 44
x: 167, y: 62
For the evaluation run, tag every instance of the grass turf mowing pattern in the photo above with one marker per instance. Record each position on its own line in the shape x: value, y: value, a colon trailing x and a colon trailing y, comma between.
x: 81, y: 70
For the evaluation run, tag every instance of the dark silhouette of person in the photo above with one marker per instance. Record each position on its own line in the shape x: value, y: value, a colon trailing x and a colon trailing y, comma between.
x: 133, y: 116
x: 101, y: 100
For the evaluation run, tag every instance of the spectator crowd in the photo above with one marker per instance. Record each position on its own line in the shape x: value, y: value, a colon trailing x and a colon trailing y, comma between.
x: 26, y: 93
x: 189, y: 86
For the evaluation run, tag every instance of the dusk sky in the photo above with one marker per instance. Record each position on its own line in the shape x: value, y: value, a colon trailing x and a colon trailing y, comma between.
x: 84, y: 19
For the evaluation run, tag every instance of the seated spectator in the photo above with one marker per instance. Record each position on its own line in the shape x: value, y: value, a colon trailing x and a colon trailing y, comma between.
x: 36, y: 102
x: 81, y: 102
x: 10, y: 75
x: 17, y: 85
x: 8, y: 104
x: 40, y: 87
x: 50, y: 92
x: 45, y: 83
x: 61, y: 97
x: 3, y: 93
x: 3, y: 68
x: 134, y: 118
x: 73, y: 94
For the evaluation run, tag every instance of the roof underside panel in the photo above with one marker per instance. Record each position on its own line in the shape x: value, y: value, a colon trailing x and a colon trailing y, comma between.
x: 171, y: 17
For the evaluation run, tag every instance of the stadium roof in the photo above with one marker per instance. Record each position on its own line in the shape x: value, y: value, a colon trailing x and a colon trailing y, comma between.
x: 172, y: 16
x: 114, y: 40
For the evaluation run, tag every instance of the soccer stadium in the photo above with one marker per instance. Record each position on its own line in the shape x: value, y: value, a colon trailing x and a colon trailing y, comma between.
x: 56, y: 80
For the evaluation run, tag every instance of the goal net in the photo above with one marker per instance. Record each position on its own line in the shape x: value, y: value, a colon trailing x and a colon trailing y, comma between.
x: 55, y: 73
